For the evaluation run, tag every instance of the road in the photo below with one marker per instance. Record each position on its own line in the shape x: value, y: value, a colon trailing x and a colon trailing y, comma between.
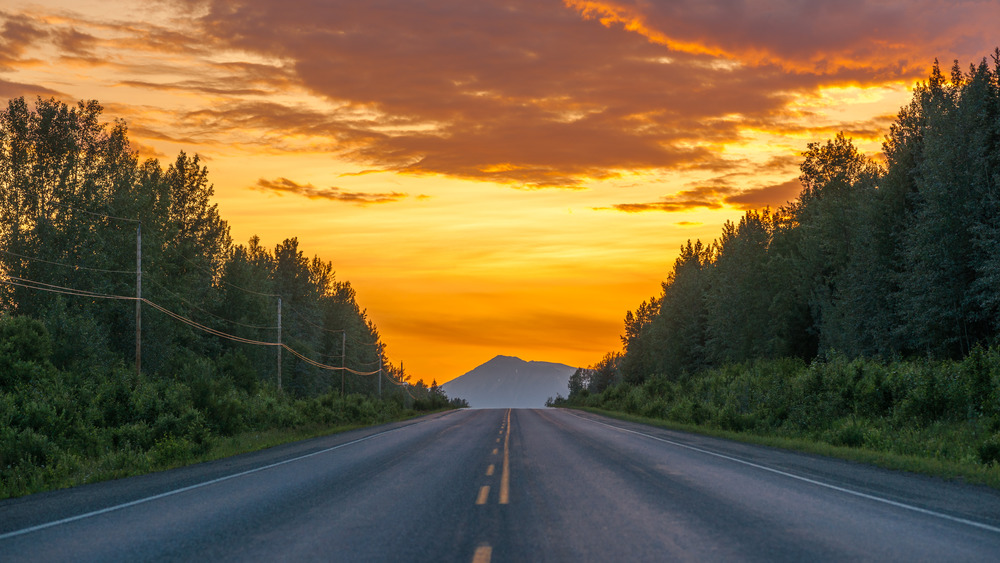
x: 510, y: 485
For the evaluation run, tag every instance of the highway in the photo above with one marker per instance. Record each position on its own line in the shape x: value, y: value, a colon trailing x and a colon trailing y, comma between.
x: 510, y: 485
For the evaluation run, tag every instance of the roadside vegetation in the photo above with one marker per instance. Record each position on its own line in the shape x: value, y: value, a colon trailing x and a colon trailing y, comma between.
x: 937, y: 417
x: 864, y: 315
x: 62, y: 428
x: 218, y: 348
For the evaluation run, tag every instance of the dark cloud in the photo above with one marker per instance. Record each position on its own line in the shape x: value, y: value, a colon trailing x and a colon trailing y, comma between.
x: 18, y: 32
x: 767, y: 196
x: 868, y: 129
x: 706, y: 197
x: 284, y: 185
x: 75, y: 42
x: 521, y: 92
x: 205, y: 87
x: 717, y: 196
x: 885, y: 38
x: 10, y: 90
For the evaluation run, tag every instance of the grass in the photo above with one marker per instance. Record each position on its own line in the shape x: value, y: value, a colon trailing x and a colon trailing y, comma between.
x: 965, y: 471
x: 72, y: 470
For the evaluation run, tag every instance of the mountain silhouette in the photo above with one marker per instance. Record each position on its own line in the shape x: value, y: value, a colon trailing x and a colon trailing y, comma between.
x: 508, y: 382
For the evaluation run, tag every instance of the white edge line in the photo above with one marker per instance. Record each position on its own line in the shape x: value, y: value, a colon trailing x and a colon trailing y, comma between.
x: 890, y: 502
x: 54, y: 523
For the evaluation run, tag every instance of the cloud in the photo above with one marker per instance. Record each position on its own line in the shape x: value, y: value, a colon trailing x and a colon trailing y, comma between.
x: 75, y: 42
x: 518, y: 92
x: 716, y: 197
x: 767, y: 196
x: 146, y: 151
x: 284, y: 185
x: 9, y: 90
x: 882, y: 38
x: 18, y: 32
x: 707, y: 197
x: 522, y: 93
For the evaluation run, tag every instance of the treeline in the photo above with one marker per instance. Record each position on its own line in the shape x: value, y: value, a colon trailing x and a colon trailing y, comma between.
x: 892, y: 262
x: 73, y: 199
x: 79, y: 215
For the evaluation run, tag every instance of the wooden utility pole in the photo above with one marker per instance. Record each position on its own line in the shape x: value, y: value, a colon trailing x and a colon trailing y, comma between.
x: 279, y: 343
x: 380, y: 370
x: 138, y: 299
x: 343, y: 360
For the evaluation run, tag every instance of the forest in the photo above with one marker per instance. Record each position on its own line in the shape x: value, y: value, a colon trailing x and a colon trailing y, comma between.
x: 134, y: 334
x: 865, y: 313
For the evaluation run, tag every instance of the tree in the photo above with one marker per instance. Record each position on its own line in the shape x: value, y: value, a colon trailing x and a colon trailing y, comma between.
x: 678, y: 329
x: 737, y: 302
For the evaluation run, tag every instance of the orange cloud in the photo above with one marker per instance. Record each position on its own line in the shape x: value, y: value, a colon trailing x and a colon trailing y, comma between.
x: 515, y: 92
x: 717, y: 197
x: 520, y: 93
x: 707, y: 197
x: 284, y: 185
x: 768, y: 196
x: 10, y: 90
x: 881, y: 38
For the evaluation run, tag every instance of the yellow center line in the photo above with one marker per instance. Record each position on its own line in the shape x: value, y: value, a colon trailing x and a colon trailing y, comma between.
x: 489, y: 470
x: 483, y: 554
x: 505, y: 476
x: 484, y: 493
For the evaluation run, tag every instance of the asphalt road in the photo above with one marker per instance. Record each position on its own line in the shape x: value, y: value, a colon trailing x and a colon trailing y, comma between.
x: 518, y: 485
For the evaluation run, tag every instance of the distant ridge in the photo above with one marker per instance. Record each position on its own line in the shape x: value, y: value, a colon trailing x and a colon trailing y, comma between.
x: 509, y: 382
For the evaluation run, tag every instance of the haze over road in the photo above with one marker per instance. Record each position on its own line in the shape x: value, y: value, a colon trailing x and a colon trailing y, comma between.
x: 510, y: 485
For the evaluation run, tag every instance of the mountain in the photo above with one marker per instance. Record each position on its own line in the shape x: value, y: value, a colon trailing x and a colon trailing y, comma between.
x: 505, y: 382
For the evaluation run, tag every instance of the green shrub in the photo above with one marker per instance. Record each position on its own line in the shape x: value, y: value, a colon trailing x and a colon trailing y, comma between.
x: 24, y: 339
x: 989, y: 450
x: 729, y: 418
x: 171, y: 449
x: 25, y: 447
x: 235, y: 366
x: 850, y: 433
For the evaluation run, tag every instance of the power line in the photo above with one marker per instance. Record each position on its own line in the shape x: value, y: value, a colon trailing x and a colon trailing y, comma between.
x: 209, y: 330
x: 23, y: 282
x: 32, y: 284
x: 72, y: 266
x: 324, y: 366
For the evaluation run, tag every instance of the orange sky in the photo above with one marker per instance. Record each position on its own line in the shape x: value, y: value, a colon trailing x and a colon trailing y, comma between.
x: 492, y: 177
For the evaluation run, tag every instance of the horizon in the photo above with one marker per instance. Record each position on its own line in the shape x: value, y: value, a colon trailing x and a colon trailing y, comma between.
x: 500, y: 176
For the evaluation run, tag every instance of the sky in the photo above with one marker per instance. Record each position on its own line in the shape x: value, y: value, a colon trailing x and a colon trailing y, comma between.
x: 492, y: 177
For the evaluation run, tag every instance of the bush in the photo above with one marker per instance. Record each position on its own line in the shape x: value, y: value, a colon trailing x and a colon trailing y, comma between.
x: 989, y: 450
x: 24, y: 339
x: 235, y: 366
x: 25, y: 351
x: 171, y: 449
x: 850, y: 433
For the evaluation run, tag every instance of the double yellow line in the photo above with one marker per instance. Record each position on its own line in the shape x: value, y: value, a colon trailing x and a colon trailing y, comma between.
x: 505, y: 475
x: 484, y: 491
x: 484, y: 552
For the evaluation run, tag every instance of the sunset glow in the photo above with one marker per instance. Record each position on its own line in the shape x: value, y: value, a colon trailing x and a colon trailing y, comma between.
x: 501, y: 177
